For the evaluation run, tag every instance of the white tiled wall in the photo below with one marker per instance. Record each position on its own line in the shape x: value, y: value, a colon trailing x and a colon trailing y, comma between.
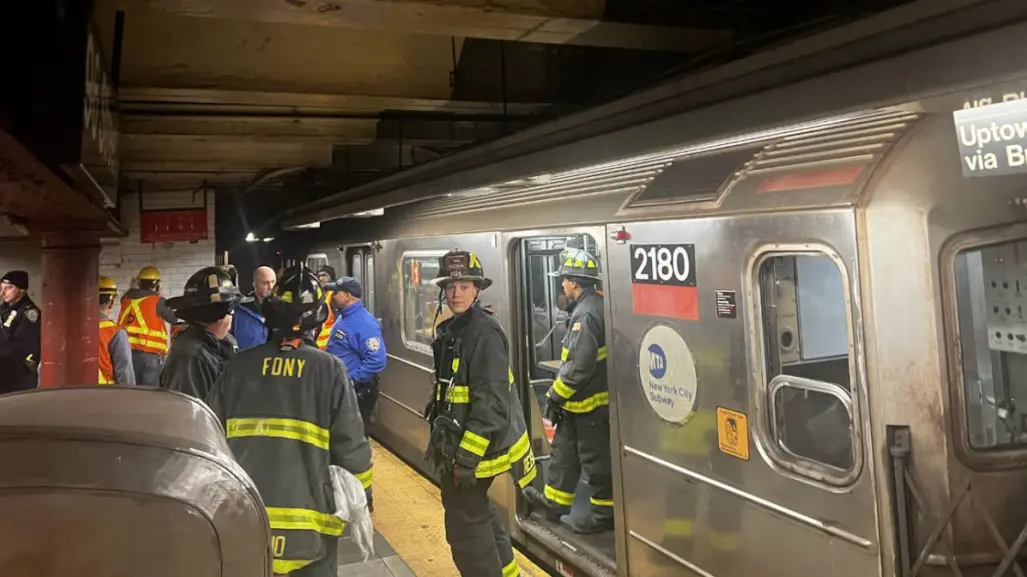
x: 122, y: 259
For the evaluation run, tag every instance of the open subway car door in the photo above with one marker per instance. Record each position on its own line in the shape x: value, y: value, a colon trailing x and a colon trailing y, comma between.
x: 110, y: 481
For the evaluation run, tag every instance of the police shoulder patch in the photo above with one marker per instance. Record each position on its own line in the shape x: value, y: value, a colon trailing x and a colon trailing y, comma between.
x: 373, y: 344
x: 32, y: 315
x: 576, y: 327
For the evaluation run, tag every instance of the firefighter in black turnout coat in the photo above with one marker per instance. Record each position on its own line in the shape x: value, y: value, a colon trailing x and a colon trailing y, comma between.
x: 578, y: 403
x: 478, y: 429
x: 290, y: 411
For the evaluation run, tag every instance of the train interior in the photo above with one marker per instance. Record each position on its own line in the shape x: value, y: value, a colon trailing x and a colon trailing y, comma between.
x: 543, y: 319
x: 991, y: 297
x: 807, y: 357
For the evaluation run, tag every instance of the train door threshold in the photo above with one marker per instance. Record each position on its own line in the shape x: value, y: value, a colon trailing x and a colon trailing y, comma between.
x: 586, y: 553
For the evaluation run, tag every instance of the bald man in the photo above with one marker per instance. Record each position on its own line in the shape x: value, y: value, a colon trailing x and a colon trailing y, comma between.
x: 248, y: 326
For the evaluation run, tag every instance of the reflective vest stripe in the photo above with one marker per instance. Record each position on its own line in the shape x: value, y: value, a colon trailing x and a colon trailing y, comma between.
x: 589, y: 404
x: 474, y: 443
x: 559, y: 497
x: 140, y: 336
x: 279, y: 428
x: 106, y: 366
x: 326, y: 328
x: 365, y: 478
x: 511, y: 569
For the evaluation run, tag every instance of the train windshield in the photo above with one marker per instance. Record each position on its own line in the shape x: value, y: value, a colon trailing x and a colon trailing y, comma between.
x: 991, y: 301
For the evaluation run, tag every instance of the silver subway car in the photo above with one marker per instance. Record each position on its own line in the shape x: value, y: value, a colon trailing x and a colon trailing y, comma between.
x: 816, y: 334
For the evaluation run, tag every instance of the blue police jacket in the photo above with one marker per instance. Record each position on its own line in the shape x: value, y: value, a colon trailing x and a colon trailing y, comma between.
x: 249, y: 326
x: 357, y: 340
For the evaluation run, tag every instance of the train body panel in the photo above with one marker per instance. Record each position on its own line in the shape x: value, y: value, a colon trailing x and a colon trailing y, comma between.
x: 814, y: 362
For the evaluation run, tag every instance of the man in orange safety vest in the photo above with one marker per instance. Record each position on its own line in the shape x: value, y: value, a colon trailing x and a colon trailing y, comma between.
x: 115, y: 355
x: 143, y: 314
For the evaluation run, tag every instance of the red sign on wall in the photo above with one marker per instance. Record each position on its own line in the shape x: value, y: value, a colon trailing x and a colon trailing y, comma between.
x: 186, y: 225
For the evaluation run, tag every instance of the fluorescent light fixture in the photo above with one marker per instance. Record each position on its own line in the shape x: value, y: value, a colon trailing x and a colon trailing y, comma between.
x: 269, y: 238
x: 250, y: 237
x: 368, y: 213
x: 315, y: 224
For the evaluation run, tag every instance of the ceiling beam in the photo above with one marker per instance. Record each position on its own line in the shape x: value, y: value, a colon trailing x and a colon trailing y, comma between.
x: 149, y: 100
x: 577, y: 22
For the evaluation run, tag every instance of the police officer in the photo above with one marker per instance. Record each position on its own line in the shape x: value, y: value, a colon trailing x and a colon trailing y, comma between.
x: 20, y: 334
x: 578, y: 403
x: 201, y: 351
x: 477, y: 428
x: 115, y: 354
x: 326, y: 278
x: 289, y: 412
x: 357, y: 340
x: 143, y: 314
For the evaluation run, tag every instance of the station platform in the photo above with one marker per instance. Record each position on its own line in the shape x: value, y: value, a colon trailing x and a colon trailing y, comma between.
x: 410, y: 538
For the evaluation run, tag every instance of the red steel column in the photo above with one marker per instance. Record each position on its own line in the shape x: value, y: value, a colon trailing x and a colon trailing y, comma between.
x: 70, y: 310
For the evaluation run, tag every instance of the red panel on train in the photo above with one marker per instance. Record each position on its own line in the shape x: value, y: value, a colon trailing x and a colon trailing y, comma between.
x: 680, y: 302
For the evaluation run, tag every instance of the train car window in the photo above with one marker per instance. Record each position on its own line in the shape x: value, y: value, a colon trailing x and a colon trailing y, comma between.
x: 369, y: 285
x: 422, y: 308
x: 806, y: 351
x: 991, y: 304
x: 356, y: 267
x: 316, y: 261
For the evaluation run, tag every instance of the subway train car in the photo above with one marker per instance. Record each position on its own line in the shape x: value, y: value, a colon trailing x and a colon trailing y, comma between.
x: 817, y: 342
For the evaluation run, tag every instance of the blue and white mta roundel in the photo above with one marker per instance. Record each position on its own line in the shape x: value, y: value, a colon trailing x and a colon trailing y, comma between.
x: 666, y: 370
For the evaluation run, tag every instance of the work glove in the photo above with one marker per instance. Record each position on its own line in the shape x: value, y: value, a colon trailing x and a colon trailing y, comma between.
x: 463, y: 477
x: 553, y: 412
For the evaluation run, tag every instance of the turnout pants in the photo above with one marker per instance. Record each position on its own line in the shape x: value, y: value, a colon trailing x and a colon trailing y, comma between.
x: 582, y: 442
x: 477, y: 538
x: 147, y: 367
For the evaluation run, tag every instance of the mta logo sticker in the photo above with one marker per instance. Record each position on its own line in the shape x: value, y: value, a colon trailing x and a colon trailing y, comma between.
x: 657, y: 361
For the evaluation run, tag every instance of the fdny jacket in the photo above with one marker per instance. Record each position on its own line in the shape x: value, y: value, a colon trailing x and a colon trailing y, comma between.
x: 581, y: 386
x: 195, y: 361
x: 475, y: 386
x: 249, y: 325
x: 290, y: 411
x: 357, y: 340
x: 20, y: 337
x: 115, y: 355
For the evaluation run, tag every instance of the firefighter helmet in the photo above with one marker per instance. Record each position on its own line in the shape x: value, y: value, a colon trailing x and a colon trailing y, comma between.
x: 458, y: 265
x: 149, y: 273
x: 300, y: 302
x: 209, y: 296
x: 107, y: 286
x: 577, y: 264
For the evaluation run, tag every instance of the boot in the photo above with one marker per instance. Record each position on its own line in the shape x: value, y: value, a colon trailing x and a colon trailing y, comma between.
x: 590, y: 526
x: 540, y: 504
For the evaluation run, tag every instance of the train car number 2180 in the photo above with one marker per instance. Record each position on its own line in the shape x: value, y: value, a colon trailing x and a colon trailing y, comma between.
x: 663, y: 280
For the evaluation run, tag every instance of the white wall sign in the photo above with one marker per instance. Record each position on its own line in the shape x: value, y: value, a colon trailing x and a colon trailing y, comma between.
x: 666, y: 370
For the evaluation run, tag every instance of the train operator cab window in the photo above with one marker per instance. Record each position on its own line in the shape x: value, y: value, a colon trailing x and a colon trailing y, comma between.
x: 421, y: 302
x: 809, y: 377
x: 991, y: 307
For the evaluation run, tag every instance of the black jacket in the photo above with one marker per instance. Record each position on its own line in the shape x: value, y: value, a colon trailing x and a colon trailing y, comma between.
x: 290, y: 411
x: 581, y: 386
x: 475, y: 386
x: 20, y: 336
x: 194, y: 362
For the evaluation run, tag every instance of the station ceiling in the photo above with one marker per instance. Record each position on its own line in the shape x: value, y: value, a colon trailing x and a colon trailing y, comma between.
x: 311, y: 97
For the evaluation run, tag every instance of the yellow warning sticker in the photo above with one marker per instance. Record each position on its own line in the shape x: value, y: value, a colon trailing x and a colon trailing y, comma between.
x: 733, y: 433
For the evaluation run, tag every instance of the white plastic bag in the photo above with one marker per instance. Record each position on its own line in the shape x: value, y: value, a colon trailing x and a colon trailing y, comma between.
x: 351, y: 507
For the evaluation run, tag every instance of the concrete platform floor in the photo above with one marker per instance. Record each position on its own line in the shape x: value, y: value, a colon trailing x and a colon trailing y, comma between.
x: 410, y: 537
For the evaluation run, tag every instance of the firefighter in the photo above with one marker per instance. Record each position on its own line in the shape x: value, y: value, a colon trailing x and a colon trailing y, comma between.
x: 143, y: 314
x: 477, y: 427
x: 115, y: 355
x: 201, y: 351
x: 357, y: 340
x: 20, y: 334
x: 289, y: 412
x: 578, y: 404
x: 326, y: 277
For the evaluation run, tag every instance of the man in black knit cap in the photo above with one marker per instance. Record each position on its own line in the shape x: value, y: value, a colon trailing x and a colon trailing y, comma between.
x: 20, y: 334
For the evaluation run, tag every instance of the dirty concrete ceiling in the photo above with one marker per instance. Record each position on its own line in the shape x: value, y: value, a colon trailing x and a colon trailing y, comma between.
x: 315, y: 96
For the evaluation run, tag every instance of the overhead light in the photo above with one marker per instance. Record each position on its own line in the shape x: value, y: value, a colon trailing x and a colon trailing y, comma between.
x: 315, y: 224
x: 250, y: 237
x: 367, y: 213
x: 269, y: 238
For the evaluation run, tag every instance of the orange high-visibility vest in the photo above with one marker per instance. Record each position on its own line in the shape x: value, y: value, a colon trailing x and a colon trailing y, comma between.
x: 107, y: 331
x: 326, y: 328
x: 145, y: 328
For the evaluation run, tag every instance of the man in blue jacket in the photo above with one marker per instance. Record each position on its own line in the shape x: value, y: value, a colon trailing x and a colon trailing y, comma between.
x: 357, y: 340
x: 249, y: 326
